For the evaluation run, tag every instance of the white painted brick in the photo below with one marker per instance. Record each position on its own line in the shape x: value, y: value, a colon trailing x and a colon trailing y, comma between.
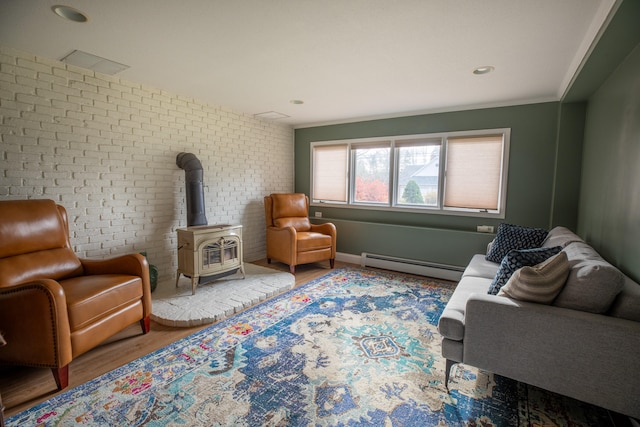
x: 106, y: 150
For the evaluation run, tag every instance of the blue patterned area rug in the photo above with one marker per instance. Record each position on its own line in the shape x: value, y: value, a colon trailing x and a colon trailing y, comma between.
x: 353, y: 348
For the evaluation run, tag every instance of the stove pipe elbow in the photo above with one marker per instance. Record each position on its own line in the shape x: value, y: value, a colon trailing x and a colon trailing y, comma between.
x: 194, y: 188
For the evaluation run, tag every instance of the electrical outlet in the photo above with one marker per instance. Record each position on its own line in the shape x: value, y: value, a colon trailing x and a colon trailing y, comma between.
x: 318, y: 214
x: 485, y: 229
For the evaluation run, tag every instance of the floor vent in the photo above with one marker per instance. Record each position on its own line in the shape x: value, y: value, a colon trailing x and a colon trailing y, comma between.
x: 422, y: 268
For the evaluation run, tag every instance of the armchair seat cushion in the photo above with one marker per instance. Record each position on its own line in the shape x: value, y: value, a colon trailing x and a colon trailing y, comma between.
x: 90, y: 298
x: 311, y: 241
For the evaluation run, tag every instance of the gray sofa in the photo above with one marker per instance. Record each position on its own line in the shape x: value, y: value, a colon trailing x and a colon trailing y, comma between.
x: 585, y: 344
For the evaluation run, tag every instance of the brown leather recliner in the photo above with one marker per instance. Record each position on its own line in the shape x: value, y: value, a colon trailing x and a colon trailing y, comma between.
x: 53, y: 305
x: 291, y: 238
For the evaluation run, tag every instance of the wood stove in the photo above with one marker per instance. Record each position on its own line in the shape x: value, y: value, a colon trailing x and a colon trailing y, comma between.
x: 209, y: 252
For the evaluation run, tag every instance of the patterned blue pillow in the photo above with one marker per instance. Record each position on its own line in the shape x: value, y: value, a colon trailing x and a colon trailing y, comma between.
x: 510, y: 237
x: 518, y: 259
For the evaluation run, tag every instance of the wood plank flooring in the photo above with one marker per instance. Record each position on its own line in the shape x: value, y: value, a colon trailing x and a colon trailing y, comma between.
x: 23, y: 387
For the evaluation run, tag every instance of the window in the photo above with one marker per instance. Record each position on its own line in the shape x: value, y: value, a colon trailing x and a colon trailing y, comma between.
x: 462, y: 173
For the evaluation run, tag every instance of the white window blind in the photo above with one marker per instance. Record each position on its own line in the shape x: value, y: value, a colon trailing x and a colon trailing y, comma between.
x: 330, y: 172
x: 473, y: 172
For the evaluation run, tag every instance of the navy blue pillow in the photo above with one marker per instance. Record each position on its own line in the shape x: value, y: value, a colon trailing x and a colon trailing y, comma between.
x: 510, y: 237
x: 517, y: 259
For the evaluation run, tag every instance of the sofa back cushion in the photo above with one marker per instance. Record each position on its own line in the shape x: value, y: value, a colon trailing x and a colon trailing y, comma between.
x: 593, y: 283
x: 34, y: 242
x: 560, y: 236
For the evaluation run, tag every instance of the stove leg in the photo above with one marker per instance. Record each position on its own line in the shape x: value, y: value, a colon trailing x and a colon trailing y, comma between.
x: 177, y: 277
x: 194, y: 283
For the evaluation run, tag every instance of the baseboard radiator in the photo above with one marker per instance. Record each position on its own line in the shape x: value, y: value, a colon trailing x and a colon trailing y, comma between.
x: 412, y: 266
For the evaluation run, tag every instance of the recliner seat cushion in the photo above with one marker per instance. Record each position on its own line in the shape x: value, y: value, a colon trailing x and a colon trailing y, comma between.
x: 92, y: 297
x: 310, y: 241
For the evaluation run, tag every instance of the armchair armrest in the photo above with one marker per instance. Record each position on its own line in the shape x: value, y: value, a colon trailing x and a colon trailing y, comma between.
x: 284, y: 245
x: 329, y: 229
x: 130, y: 264
x: 34, y: 322
x: 325, y: 228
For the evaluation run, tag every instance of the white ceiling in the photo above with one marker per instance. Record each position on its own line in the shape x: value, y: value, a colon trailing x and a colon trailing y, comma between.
x: 346, y: 59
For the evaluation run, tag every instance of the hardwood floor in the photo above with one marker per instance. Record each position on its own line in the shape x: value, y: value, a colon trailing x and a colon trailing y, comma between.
x: 23, y: 387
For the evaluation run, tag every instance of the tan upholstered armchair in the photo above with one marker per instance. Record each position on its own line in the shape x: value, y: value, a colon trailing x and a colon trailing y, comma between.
x: 291, y: 238
x: 53, y: 305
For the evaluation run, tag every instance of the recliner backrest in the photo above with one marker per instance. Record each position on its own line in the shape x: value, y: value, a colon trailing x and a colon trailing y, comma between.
x: 34, y: 242
x: 291, y: 210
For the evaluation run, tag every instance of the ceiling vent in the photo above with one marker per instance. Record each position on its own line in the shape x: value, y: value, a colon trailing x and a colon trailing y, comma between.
x: 93, y: 62
x: 271, y: 115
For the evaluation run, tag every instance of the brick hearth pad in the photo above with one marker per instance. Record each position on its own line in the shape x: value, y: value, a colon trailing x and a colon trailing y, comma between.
x: 218, y: 299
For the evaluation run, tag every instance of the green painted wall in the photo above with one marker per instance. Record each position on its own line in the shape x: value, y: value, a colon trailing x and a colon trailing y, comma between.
x: 575, y: 163
x: 609, y: 215
x: 566, y: 190
x: 532, y: 162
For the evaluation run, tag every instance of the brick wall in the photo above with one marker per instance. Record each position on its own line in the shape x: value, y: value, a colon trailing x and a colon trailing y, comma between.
x: 105, y: 148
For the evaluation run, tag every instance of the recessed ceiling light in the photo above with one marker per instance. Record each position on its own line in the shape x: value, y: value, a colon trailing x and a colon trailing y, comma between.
x: 69, y: 13
x: 297, y: 101
x: 484, y: 70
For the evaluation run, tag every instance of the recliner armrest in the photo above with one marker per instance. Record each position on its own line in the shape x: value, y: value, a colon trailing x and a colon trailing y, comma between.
x: 34, y: 321
x: 130, y: 264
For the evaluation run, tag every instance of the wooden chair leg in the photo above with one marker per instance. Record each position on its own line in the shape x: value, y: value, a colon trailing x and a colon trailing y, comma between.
x: 61, y: 375
x: 146, y: 325
x: 332, y: 262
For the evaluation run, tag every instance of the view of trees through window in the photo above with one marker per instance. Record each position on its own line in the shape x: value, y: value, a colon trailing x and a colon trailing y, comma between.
x: 418, y: 174
x: 372, y: 174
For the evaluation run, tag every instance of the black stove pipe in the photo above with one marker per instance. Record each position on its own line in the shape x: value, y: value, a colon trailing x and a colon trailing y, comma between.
x: 194, y: 188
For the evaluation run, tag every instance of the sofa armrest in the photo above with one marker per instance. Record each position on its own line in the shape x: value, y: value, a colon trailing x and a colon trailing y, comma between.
x: 35, y: 324
x: 590, y: 357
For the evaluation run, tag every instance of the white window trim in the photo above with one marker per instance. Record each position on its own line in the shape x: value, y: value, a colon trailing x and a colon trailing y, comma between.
x: 393, y: 206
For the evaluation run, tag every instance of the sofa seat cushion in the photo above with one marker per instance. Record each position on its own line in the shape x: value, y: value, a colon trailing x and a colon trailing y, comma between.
x: 593, y: 283
x: 311, y: 241
x: 90, y: 298
x: 480, y: 267
x: 514, y: 237
x: 540, y: 283
x: 451, y: 323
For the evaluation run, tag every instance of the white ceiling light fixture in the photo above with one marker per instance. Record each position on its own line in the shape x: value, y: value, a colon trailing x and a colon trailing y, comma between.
x: 484, y: 70
x: 69, y: 13
x: 93, y: 62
